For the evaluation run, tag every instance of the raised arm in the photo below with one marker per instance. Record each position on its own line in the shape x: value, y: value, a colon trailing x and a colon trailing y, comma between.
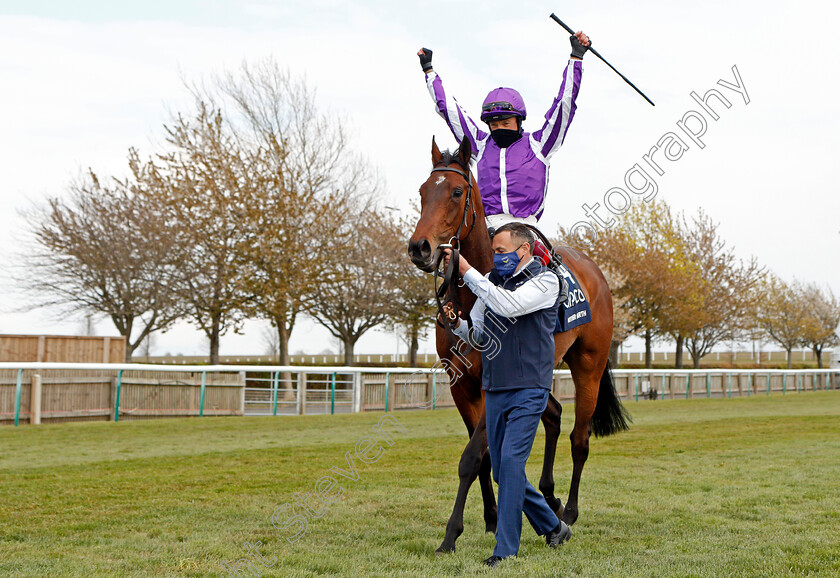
x: 559, y: 117
x: 447, y: 106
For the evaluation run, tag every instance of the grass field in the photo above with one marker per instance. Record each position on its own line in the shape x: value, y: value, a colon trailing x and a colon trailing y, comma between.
x: 740, y: 487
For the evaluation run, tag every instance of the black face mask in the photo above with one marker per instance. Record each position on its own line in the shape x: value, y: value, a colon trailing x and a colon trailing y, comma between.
x: 504, y: 137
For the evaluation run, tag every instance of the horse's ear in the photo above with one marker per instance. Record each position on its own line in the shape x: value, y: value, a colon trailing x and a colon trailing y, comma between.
x: 436, y: 156
x: 465, y: 151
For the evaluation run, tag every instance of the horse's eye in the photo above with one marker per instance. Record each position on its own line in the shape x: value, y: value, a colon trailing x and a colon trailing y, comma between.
x: 458, y: 192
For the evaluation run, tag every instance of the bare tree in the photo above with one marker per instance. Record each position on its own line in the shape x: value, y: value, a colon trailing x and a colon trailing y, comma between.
x: 206, y: 183
x: 822, y: 316
x: 310, y: 183
x: 413, y: 307
x: 355, y: 291
x: 146, y: 346
x: 104, y: 250
x: 270, y: 342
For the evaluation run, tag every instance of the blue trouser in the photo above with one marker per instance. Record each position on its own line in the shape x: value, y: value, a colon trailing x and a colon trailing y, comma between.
x: 512, y: 419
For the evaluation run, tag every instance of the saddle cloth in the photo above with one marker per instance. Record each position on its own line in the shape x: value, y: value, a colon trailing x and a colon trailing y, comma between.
x: 574, y: 310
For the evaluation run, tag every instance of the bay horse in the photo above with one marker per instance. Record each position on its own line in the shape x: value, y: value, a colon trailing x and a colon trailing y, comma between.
x: 452, y: 213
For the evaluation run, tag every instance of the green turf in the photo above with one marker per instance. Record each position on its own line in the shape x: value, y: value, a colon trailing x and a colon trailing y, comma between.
x: 741, y: 487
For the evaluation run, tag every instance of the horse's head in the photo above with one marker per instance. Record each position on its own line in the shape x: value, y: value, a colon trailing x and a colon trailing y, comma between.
x: 448, y: 203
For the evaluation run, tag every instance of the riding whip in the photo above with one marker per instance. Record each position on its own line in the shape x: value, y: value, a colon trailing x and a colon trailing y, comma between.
x: 595, y: 52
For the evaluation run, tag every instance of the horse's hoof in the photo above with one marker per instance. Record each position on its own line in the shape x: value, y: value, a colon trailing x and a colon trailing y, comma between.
x: 569, y: 516
x: 490, y: 528
x: 441, y: 551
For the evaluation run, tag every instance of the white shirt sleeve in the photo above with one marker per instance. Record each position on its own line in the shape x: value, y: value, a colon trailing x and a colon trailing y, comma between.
x: 534, y: 294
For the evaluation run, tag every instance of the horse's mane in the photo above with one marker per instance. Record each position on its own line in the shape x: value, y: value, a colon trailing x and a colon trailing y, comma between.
x: 447, y: 158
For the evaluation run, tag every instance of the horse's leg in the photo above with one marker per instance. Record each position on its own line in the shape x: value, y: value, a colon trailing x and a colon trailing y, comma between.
x: 587, y: 368
x: 487, y: 493
x: 468, y: 469
x: 551, y: 422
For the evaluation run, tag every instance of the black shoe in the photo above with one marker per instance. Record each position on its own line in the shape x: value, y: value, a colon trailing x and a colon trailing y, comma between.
x: 494, y: 561
x: 558, y: 535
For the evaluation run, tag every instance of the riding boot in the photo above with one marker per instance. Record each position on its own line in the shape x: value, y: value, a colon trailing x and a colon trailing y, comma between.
x: 564, y: 289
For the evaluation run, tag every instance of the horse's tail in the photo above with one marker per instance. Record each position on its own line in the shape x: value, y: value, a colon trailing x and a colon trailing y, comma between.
x: 609, y: 416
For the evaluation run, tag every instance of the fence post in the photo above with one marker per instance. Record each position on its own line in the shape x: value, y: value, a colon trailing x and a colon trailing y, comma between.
x: 637, y: 386
x: 434, y: 388
x: 687, y: 385
x: 749, y: 384
x: 17, y: 395
x: 113, y: 399
x: 708, y: 385
x: 117, y: 396
x: 813, y: 383
x: 203, y: 387
x: 768, y: 384
x: 301, y: 393
x: 729, y: 386
x: 332, y: 399
x: 357, y: 392
x: 275, y: 382
x: 35, y: 400
x: 784, y: 383
x: 387, y: 384
x: 798, y: 383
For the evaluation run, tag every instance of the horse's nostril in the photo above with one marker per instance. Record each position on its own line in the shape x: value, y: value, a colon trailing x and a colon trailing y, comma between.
x: 419, y: 250
x: 425, y: 249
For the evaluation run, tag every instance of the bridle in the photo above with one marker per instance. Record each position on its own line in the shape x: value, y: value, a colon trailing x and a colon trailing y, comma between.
x: 450, y: 275
x: 467, y: 206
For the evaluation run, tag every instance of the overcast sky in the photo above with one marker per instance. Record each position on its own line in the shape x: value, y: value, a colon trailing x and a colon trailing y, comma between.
x: 84, y: 81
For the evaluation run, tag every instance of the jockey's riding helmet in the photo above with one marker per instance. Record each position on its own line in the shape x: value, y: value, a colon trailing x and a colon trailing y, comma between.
x: 503, y: 103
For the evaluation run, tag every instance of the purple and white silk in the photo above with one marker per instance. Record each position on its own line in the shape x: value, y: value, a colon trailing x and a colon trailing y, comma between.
x: 513, y: 180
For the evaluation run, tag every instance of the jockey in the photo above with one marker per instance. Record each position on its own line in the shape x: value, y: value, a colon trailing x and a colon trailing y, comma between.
x: 512, y: 165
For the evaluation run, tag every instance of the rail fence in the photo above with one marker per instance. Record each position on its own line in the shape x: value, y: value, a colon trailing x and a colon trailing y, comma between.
x: 58, y: 392
x: 715, y: 358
